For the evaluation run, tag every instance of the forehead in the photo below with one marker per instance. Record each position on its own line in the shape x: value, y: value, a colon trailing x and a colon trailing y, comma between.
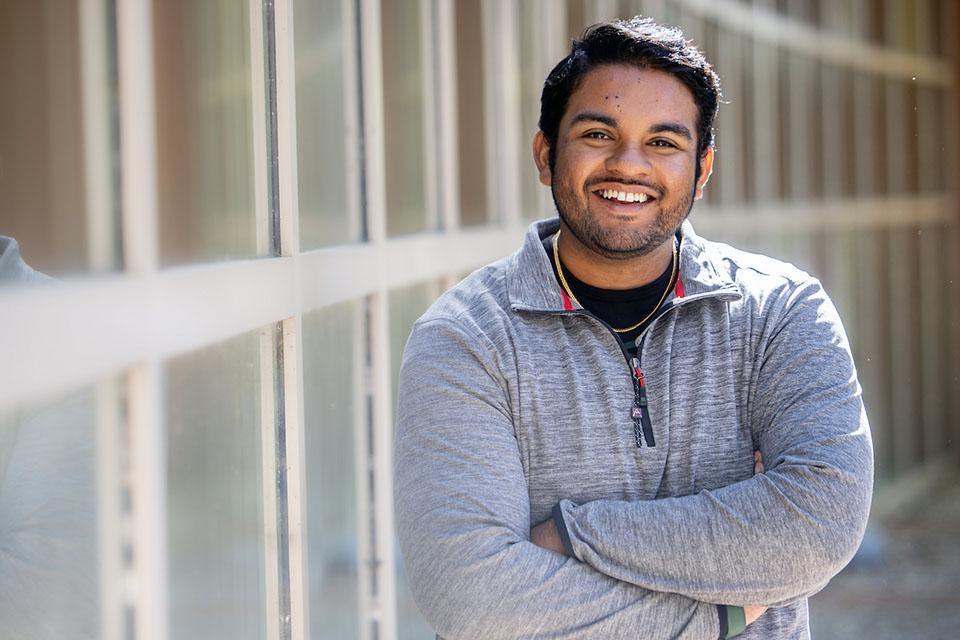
x: 627, y: 93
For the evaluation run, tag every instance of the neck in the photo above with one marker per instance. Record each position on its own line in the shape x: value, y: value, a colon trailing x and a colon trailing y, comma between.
x: 604, y: 273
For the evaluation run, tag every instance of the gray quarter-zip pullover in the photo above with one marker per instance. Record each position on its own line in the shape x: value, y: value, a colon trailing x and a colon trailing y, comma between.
x: 509, y: 405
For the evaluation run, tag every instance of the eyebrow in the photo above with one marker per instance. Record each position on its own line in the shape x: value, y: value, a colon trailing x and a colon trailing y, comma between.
x: 663, y: 127
x: 672, y: 127
x: 593, y: 116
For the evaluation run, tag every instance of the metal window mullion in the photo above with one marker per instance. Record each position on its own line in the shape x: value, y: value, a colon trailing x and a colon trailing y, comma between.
x: 291, y: 347
x: 384, y: 560
x: 148, y: 580
x: 296, y: 481
x: 362, y: 465
x: 272, y: 507
x: 110, y: 482
x: 147, y: 576
x: 98, y: 188
x: 383, y: 600
x: 261, y: 125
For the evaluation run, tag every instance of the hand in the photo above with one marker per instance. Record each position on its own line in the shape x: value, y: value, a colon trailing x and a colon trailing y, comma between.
x: 752, y: 612
x: 546, y: 536
x: 757, y: 462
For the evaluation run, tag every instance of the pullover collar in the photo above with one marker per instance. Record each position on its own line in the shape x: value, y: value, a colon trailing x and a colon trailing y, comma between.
x: 532, y: 286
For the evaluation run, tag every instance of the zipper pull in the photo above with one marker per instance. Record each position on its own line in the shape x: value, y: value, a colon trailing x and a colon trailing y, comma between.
x: 642, y: 428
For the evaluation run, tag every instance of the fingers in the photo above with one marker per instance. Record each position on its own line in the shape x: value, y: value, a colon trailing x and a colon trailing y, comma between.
x: 757, y: 462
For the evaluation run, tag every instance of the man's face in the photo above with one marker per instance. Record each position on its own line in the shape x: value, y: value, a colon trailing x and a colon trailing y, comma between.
x: 624, y: 175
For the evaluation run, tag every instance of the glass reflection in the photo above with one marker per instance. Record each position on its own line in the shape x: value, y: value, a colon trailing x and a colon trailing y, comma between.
x: 332, y: 364
x: 322, y: 131
x: 49, y: 573
x: 56, y: 183
x: 214, y: 492
x: 403, y: 69
x: 204, y: 131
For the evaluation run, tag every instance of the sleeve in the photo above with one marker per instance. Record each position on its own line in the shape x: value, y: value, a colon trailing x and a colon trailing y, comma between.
x: 463, y: 516
x: 779, y: 535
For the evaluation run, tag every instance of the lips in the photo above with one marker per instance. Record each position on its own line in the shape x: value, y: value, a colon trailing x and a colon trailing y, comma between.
x: 622, y: 196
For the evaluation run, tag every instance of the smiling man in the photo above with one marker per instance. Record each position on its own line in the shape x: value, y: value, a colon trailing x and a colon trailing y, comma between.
x: 579, y: 423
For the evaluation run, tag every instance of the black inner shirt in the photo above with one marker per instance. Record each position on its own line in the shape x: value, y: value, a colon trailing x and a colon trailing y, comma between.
x: 619, y: 308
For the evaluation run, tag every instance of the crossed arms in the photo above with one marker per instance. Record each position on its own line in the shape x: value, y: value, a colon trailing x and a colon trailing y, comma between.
x: 463, y: 512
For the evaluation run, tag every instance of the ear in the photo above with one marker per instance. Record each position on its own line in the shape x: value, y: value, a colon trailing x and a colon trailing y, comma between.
x: 541, y: 156
x: 706, y: 168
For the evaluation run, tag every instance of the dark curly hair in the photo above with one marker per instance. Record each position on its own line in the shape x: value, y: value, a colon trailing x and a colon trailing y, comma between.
x: 640, y: 42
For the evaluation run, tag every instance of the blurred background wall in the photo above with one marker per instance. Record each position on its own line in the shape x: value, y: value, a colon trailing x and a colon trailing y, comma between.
x: 249, y: 203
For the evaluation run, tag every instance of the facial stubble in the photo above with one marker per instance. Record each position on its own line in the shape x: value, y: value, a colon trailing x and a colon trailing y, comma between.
x: 618, y: 244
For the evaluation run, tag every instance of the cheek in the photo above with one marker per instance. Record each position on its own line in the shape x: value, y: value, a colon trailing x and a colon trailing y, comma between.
x: 575, y: 166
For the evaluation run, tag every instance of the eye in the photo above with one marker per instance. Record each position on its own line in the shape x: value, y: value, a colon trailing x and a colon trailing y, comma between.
x: 664, y: 144
x: 596, y: 135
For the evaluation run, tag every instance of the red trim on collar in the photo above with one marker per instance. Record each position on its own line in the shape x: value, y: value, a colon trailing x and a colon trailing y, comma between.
x: 567, y: 305
x: 678, y: 290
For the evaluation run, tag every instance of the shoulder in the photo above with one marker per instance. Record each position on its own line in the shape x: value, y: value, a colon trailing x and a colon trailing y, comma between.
x: 775, y: 295
x: 476, y: 305
x: 755, y: 273
x: 468, y: 324
x: 768, y: 285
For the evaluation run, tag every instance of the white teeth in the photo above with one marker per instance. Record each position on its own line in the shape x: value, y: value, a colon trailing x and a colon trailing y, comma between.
x: 623, y: 196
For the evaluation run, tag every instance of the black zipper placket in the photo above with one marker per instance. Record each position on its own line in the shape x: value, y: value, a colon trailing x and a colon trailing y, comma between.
x: 642, y: 426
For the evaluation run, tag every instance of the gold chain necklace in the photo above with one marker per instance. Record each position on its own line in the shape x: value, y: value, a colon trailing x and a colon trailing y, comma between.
x: 569, y: 291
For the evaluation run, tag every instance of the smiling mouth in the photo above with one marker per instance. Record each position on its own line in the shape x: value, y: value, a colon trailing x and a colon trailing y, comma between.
x: 622, y: 197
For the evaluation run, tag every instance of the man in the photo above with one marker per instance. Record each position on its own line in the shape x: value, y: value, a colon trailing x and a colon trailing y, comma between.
x: 612, y: 381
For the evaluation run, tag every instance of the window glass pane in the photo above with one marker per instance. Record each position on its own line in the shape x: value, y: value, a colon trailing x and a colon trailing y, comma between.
x: 49, y: 573
x: 214, y: 490
x: 471, y: 113
x: 403, y: 100
x: 406, y: 305
x: 323, y: 135
x: 56, y: 179
x: 204, y: 131
x: 332, y: 370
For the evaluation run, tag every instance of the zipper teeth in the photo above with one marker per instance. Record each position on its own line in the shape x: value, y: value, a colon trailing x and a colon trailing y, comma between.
x: 638, y: 434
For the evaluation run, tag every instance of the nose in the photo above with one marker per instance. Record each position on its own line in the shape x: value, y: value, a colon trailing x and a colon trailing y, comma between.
x: 629, y: 160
